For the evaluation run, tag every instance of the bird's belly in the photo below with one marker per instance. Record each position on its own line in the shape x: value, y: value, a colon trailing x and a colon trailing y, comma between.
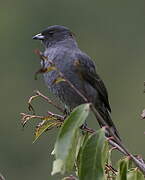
x: 66, y: 93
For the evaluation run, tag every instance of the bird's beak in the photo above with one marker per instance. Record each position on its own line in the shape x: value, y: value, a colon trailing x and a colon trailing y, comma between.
x: 38, y: 37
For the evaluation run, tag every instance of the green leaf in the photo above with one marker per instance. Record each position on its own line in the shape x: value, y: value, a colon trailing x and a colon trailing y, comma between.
x: 57, y: 166
x: 135, y: 175
x: 67, y: 140
x: 123, y: 168
x: 93, y: 157
x: 80, y: 144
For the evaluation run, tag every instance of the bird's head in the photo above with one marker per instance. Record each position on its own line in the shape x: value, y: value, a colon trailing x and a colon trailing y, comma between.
x: 54, y: 34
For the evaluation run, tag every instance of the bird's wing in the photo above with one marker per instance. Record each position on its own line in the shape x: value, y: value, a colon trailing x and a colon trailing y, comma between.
x: 86, y: 67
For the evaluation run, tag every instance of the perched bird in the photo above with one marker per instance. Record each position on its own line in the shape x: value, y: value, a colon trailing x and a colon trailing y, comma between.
x: 78, y: 68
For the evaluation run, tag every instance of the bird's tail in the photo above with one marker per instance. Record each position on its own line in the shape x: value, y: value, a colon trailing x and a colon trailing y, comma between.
x: 106, y: 116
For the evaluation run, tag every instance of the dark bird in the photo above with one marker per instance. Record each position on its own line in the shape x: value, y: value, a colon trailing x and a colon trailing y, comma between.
x: 77, y: 67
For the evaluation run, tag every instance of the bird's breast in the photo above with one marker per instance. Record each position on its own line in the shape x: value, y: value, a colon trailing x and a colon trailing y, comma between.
x: 64, y: 63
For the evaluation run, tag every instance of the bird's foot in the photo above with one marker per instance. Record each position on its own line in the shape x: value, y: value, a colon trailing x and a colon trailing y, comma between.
x: 84, y: 127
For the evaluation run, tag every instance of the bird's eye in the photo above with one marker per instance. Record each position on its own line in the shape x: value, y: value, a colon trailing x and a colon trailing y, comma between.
x: 51, y: 33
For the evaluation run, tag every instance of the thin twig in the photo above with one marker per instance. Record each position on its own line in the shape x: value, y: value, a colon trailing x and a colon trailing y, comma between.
x: 60, y: 117
x: 26, y: 117
x: 30, y: 107
x: 110, y: 168
x: 50, y: 101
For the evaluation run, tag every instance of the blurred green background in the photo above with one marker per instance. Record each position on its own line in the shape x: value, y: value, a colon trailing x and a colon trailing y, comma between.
x: 111, y: 32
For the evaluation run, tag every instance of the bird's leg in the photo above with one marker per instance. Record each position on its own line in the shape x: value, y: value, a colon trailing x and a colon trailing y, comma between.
x: 84, y: 127
x: 66, y: 111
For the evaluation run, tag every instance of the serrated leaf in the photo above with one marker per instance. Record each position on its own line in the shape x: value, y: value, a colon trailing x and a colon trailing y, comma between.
x: 93, y: 157
x: 135, y: 175
x: 66, y: 143
x: 46, y: 125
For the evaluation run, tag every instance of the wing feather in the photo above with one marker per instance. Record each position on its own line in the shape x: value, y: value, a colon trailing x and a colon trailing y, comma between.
x: 87, y: 68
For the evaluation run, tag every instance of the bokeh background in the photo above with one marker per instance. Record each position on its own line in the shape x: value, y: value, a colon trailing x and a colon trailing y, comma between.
x: 111, y: 32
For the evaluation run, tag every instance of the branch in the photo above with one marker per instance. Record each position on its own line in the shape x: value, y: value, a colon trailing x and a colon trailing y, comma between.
x: 39, y: 94
x: 50, y: 101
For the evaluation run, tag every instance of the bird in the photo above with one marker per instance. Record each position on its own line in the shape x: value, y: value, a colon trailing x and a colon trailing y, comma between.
x: 61, y: 48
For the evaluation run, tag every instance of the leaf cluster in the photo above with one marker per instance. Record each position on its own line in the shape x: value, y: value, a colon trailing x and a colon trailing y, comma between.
x: 86, y: 155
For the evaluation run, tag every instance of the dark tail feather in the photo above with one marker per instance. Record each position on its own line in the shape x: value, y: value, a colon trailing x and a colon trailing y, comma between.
x: 106, y: 116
